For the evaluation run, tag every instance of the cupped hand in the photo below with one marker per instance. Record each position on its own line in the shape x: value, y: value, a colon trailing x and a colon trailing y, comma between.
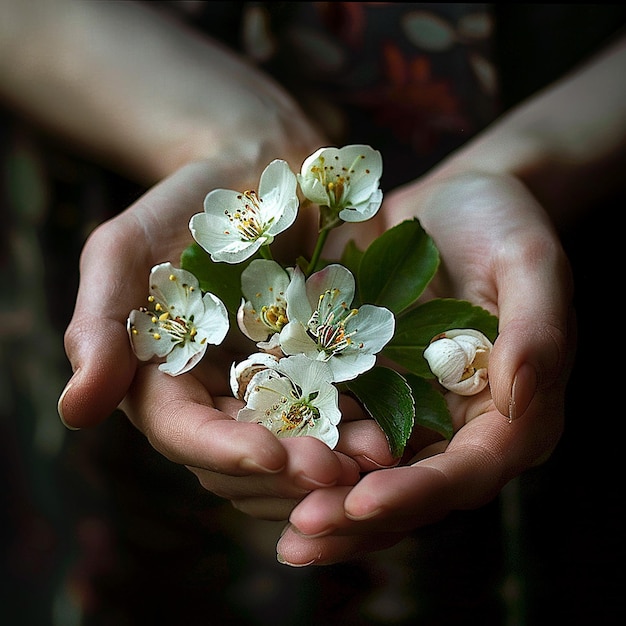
x: 188, y: 418
x: 499, y: 251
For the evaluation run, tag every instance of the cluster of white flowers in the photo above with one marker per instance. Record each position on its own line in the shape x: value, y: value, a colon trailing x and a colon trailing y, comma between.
x: 308, y: 334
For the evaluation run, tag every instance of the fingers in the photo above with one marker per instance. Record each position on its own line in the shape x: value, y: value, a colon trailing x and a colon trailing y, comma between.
x: 365, y: 442
x: 180, y: 420
x: 284, y: 490
x: 482, y: 457
x: 242, y: 462
x: 297, y: 551
x: 536, y: 339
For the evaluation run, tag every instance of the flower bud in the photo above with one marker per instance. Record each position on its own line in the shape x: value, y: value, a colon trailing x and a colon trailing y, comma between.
x: 242, y: 373
x: 459, y: 359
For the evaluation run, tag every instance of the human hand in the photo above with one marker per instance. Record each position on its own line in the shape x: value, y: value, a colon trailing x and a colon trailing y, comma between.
x: 187, y: 418
x: 498, y: 251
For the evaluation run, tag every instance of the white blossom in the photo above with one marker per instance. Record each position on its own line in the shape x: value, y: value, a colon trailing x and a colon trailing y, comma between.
x: 346, y: 180
x: 234, y: 225
x: 179, y: 322
x: 263, y: 310
x: 323, y: 325
x: 294, y: 398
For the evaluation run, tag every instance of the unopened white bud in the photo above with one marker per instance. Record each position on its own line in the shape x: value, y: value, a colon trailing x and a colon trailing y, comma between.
x: 241, y: 373
x: 459, y: 359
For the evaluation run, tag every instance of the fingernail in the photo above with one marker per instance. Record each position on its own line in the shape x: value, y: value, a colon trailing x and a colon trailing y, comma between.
x: 284, y: 561
x: 370, y: 461
x: 363, y: 516
x: 60, y: 406
x: 250, y: 465
x: 306, y: 482
x: 522, y: 391
x: 321, y: 533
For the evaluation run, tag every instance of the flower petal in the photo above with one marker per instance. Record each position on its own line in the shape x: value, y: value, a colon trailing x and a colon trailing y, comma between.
x: 142, y: 331
x: 183, y: 358
x: 213, y: 324
x: 376, y: 326
x: 332, y: 277
x: 295, y: 340
x: 298, y: 305
x: 279, y: 200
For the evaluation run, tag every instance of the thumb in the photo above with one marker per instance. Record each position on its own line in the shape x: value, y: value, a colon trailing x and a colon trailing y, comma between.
x: 103, y: 366
x: 96, y: 340
x: 535, y: 346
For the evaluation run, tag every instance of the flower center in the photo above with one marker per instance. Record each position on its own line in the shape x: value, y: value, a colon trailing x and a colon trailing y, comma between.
x: 274, y: 316
x: 299, y: 415
x: 328, y: 323
x: 335, y: 179
x: 335, y: 182
x: 247, y: 220
x: 179, y: 329
x: 296, y: 412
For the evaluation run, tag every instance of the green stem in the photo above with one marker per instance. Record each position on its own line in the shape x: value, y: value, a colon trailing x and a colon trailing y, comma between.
x: 319, y: 246
x: 266, y: 253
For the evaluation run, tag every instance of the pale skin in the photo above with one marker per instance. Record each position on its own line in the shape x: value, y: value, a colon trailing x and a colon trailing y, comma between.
x: 491, y: 207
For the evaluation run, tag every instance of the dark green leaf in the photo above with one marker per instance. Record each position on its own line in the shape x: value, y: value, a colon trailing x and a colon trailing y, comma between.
x: 387, y: 397
x: 397, y: 266
x: 221, y: 279
x: 415, y: 329
x: 431, y: 410
x: 351, y: 259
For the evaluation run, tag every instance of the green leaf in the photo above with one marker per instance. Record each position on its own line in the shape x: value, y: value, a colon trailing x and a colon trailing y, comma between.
x: 351, y: 259
x: 221, y: 279
x: 397, y: 266
x: 387, y: 397
x: 431, y: 410
x: 415, y: 329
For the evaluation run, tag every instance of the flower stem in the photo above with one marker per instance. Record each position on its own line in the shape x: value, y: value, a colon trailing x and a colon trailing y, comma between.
x: 266, y: 253
x: 319, y: 246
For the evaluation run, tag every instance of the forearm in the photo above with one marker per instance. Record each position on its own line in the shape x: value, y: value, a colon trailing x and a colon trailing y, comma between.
x: 567, y: 143
x: 137, y: 91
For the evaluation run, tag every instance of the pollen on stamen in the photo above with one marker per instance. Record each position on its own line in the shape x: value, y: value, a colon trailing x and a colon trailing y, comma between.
x: 172, y: 277
x: 156, y: 336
